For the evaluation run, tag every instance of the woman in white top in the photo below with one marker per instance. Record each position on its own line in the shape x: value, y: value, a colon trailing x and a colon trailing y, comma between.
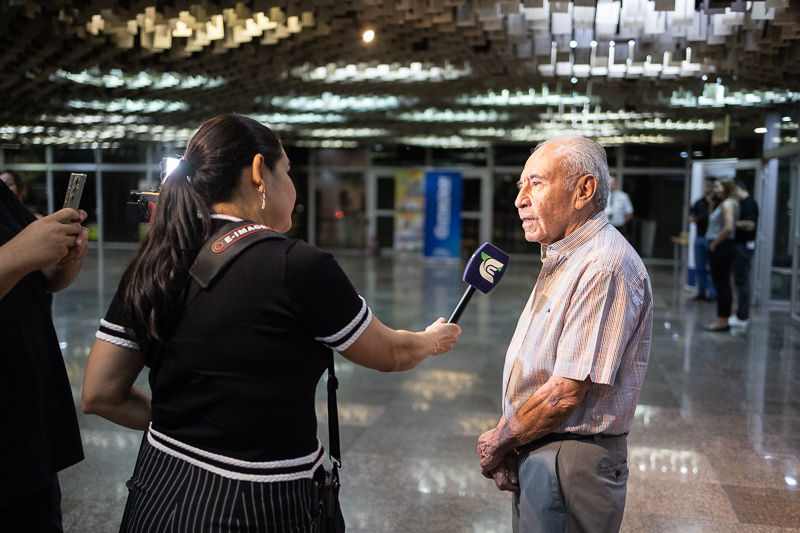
x: 720, y: 236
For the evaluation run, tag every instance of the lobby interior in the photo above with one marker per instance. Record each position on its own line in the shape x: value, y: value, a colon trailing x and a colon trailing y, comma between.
x: 675, y: 90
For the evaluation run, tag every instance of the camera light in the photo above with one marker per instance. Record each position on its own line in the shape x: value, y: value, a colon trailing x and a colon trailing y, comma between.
x: 170, y: 164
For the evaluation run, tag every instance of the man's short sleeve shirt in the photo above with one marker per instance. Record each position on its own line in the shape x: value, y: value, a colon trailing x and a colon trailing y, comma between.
x: 589, y: 315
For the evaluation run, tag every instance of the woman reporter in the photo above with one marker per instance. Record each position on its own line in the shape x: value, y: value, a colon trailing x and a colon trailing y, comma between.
x: 231, y: 426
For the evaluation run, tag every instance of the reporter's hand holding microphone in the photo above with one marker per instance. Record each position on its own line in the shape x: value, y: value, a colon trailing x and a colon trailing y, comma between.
x: 483, y: 272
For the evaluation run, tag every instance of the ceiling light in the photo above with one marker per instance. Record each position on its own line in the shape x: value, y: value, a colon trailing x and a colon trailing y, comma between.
x: 125, y: 105
x: 394, y: 72
x: 334, y: 103
x: 448, y: 115
x: 344, y: 133
x: 544, y: 97
x: 760, y: 130
x: 368, y: 36
x: 275, y: 119
x: 787, y: 119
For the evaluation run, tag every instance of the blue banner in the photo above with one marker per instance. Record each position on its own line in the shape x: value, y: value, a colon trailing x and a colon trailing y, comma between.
x: 443, y: 192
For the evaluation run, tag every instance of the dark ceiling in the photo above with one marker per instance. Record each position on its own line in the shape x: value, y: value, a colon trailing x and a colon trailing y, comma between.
x: 438, y: 72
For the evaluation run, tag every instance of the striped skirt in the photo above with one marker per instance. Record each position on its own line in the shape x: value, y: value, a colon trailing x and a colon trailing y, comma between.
x: 179, y: 488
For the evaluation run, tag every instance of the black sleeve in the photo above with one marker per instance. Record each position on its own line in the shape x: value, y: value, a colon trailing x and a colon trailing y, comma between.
x: 13, y: 212
x: 694, y: 210
x: 111, y: 327
x: 323, y: 299
x: 749, y: 211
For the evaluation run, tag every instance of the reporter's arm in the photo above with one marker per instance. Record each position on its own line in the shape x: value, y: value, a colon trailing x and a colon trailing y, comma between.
x: 382, y: 348
x: 108, y: 386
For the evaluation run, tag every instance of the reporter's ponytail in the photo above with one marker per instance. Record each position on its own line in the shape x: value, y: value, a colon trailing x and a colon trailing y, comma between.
x: 209, y: 173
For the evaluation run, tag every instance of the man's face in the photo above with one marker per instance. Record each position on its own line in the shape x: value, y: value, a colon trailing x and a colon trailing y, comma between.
x: 709, y: 187
x: 613, y: 183
x: 544, y: 204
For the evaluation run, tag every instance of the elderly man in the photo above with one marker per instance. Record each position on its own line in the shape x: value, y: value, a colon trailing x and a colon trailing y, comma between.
x: 577, y: 360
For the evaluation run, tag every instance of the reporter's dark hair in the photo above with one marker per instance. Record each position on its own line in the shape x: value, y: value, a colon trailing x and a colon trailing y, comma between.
x: 154, y: 281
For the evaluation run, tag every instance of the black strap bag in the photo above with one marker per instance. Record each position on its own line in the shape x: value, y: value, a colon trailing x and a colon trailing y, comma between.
x: 331, y: 519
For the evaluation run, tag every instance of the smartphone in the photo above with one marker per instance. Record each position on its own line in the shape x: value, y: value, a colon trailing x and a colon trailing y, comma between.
x: 75, y: 190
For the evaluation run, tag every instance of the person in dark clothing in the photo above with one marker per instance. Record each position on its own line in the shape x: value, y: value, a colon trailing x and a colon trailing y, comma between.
x: 699, y: 215
x: 230, y: 430
x: 39, y: 434
x: 745, y: 248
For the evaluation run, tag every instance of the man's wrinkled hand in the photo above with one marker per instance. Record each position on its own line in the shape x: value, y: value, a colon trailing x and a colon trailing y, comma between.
x: 490, y: 455
x: 506, y: 475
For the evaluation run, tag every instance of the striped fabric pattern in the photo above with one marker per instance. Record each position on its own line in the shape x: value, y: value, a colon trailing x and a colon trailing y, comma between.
x: 343, y: 339
x: 261, y: 472
x: 115, y: 335
x: 590, y: 314
x: 169, y: 494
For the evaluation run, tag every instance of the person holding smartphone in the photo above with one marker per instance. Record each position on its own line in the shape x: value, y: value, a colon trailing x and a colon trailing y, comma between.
x: 39, y: 433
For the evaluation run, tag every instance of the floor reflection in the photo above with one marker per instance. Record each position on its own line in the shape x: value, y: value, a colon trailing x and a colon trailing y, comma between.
x: 715, y: 444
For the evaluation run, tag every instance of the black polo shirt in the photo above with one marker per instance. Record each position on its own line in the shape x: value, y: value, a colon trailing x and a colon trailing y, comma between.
x: 239, y: 374
x: 39, y: 432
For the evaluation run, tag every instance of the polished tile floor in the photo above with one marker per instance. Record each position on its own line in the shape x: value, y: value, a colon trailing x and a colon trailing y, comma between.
x: 715, y: 446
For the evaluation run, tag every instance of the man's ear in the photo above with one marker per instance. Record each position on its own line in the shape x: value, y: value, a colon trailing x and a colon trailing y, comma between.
x: 585, y: 189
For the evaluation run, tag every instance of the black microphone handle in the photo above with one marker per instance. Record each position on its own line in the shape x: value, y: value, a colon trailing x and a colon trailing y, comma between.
x: 461, y: 305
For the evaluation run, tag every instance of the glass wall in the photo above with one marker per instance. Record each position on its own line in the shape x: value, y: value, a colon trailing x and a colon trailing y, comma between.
x: 117, y: 187
x: 335, y: 214
x: 657, y: 212
x: 341, y: 222
x: 780, y: 281
x: 507, y: 231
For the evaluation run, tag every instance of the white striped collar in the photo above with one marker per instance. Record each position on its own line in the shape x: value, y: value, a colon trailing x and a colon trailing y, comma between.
x: 226, y: 217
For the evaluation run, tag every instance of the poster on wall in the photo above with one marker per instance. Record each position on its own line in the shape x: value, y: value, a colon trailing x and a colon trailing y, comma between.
x: 409, y: 209
x: 443, y: 192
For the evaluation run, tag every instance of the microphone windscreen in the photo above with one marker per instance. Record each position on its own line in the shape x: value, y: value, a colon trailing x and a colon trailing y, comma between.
x: 486, y: 267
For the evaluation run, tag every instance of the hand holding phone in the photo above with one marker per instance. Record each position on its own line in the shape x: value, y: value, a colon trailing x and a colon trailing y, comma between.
x: 75, y: 190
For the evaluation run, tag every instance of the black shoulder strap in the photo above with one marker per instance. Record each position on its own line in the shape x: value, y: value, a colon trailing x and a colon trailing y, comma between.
x: 333, y: 417
x: 219, y: 250
x: 224, y: 246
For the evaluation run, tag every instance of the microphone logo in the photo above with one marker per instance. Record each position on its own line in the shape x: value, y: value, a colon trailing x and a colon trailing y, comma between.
x: 489, y: 267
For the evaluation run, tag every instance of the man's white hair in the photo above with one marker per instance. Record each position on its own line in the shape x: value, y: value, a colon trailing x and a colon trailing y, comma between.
x: 578, y: 156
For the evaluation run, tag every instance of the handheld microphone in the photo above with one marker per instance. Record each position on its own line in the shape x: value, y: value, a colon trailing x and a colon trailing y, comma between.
x: 484, y: 270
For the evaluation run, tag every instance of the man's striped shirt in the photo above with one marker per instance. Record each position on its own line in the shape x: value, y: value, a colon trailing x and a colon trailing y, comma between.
x: 590, y: 314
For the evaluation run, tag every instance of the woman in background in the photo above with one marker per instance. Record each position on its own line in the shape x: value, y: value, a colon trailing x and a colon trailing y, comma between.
x: 15, y: 183
x: 720, y: 236
x: 231, y: 441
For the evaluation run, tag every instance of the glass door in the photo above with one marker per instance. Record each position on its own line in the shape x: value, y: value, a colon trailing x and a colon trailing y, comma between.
x: 340, y: 206
x: 795, y: 246
x: 783, y: 238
